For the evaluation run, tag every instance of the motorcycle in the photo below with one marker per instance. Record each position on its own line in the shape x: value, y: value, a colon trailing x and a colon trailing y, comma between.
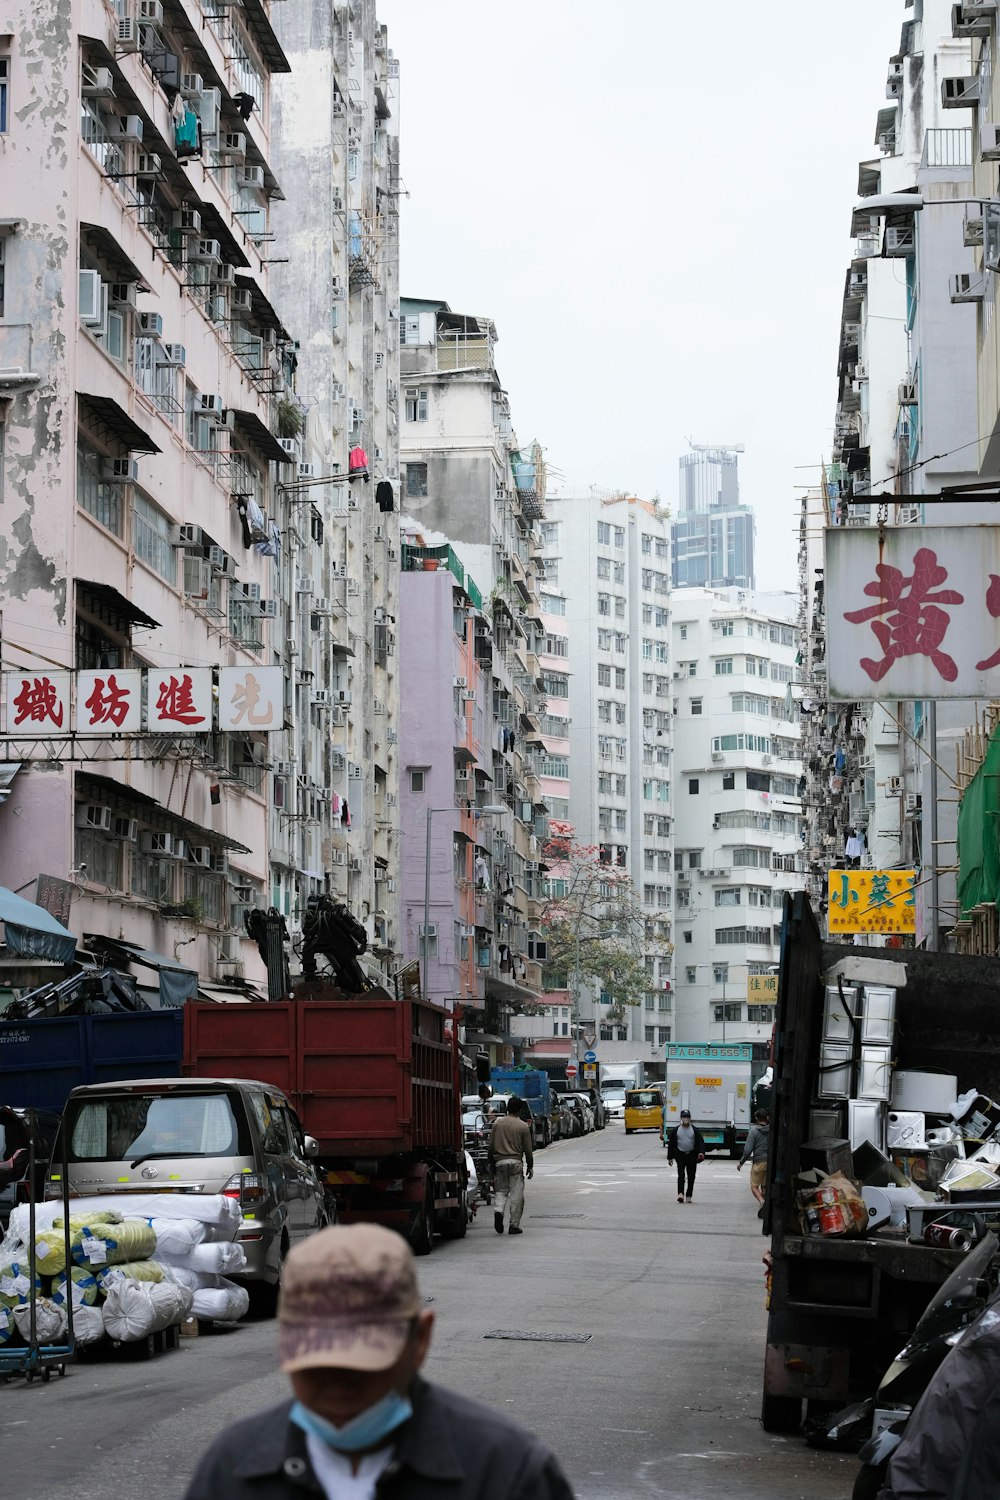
x: 476, y: 1134
x: 959, y: 1302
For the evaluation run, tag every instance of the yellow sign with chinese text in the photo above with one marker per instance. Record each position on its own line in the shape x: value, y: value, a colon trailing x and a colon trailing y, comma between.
x: 762, y: 989
x: 872, y: 901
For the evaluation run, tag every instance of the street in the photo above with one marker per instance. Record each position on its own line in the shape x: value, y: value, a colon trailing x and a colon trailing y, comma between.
x: 661, y: 1399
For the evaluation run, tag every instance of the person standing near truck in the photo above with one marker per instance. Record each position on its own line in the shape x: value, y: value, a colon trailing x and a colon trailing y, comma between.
x: 686, y: 1147
x: 510, y: 1144
x: 755, y: 1151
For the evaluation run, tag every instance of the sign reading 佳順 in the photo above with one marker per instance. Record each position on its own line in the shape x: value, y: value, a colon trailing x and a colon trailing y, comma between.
x: 762, y: 989
x: 872, y: 901
x: 913, y: 612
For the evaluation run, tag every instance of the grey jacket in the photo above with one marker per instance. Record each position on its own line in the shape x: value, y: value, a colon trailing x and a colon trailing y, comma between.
x: 451, y: 1449
x: 756, y: 1145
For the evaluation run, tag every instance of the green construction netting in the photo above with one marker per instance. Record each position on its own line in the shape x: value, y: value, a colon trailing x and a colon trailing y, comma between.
x: 979, y: 833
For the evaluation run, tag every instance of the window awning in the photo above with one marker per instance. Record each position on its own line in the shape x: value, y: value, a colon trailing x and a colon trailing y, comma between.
x: 260, y: 435
x: 112, y: 607
x: 104, y: 245
x: 263, y: 310
x: 263, y: 34
x: 32, y: 932
x: 464, y: 756
x: 196, y: 833
x: 218, y: 228
x: 135, y: 953
x: 115, y: 422
x: 7, y: 774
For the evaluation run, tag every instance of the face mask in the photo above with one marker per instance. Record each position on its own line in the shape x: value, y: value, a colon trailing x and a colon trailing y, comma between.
x: 367, y: 1430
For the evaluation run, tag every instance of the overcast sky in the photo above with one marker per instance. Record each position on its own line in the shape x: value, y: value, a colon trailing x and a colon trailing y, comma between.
x: 652, y: 200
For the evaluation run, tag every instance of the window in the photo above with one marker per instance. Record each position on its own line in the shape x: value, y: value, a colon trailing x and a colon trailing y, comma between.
x: 692, y: 669
x: 693, y: 786
x: 694, y: 859
x: 650, y: 1034
x: 603, y: 534
x: 691, y: 974
x: 687, y: 936
x: 696, y: 706
x: 554, y: 765
x: 724, y: 666
x: 417, y: 781
x: 619, y: 536
x: 99, y: 499
x: 729, y: 895
x: 4, y: 99
x: 662, y: 547
x: 647, y: 650
x: 553, y: 604
x: 647, y: 544
x: 409, y: 330
x: 663, y: 1035
x: 619, y: 608
x: 683, y: 632
x: 620, y: 679
x: 620, y: 642
x: 726, y: 627
x: 729, y: 781
x: 151, y: 538
x: 603, y: 676
x: 416, y: 481
x: 604, y: 604
x: 619, y: 572
x: 428, y: 940
x: 416, y: 403
x: 604, y: 710
x: 555, y: 685
x: 556, y: 645
x: 604, y: 567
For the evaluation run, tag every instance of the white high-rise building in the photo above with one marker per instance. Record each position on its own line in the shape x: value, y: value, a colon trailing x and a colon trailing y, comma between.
x: 607, y: 567
x: 738, y: 807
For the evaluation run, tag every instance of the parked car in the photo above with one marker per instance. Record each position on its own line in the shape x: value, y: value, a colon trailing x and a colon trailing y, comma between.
x: 614, y: 1103
x: 202, y: 1135
x: 560, y: 1119
x: 597, y: 1105
x: 572, y: 1115
x: 643, y: 1110
x: 580, y: 1105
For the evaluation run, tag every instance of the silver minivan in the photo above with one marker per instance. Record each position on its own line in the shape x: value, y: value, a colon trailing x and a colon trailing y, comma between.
x: 200, y: 1135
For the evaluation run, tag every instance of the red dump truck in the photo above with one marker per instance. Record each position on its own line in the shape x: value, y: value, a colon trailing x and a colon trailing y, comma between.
x: 375, y: 1082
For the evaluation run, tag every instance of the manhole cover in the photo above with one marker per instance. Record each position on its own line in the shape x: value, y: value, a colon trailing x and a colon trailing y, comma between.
x: 537, y: 1338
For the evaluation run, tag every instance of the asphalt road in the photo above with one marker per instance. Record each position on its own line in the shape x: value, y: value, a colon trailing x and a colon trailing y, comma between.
x: 660, y: 1400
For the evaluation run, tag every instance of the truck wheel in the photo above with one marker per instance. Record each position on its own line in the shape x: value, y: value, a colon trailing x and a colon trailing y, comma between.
x: 781, y: 1413
x: 628, y: 1130
x: 870, y: 1481
x: 422, y: 1238
x: 457, y: 1222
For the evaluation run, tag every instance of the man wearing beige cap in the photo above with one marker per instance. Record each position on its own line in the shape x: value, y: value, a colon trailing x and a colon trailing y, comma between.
x: 352, y: 1336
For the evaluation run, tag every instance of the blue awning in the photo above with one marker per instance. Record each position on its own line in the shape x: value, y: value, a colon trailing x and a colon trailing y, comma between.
x: 31, y: 932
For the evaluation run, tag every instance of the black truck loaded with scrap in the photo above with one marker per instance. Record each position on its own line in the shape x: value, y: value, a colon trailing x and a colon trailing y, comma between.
x: 841, y: 1304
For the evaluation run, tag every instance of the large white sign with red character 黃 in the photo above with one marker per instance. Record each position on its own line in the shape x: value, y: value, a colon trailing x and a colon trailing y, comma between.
x: 913, y: 612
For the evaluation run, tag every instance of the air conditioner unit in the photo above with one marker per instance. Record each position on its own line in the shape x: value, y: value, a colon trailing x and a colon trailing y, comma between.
x: 336, y: 290
x: 122, y: 293
x: 717, y: 755
x: 460, y: 682
x: 907, y: 393
x: 352, y: 503
x: 233, y: 143
x: 343, y: 695
x: 912, y: 803
x: 252, y: 177
x: 192, y: 84
x: 250, y: 592
x: 187, y: 221
x: 899, y: 242
x: 241, y: 300
x: 156, y: 843
x: 147, y: 164
x: 220, y: 560
x: 94, y: 815
x: 284, y: 768
x: 120, y: 470
x: 378, y: 706
x: 336, y: 201
x: 175, y: 354
x: 960, y: 93
x: 224, y: 275
x: 200, y: 854
x: 179, y: 850
x: 390, y: 886
x: 126, y: 829
x: 967, y: 286
x: 428, y: 930
x: 380, y: 533
x: 127, y: 35
x: 338, y: 857
x: 320, y: 698
x: 269, y: 609
x: 354, y: 771
x: 321, y: 605
x: 291, y: 447
x: 307, y: 471
x: 765, y: 760
x: 391, y: 799
x: 894, y: 786
x: 127, y: 128
x: 379, y: 874
x: 205, y: 250
x: 208, y: 406
x: 391, y: 736
x: 469, y: 695
x: 151, y: 324
x: 98, y: 83
x: 151, y: 11
x: 219, y: 862
x: 243, y: 894
x: 354, y: 864
x: 353, y: 587
x: 187, y: 536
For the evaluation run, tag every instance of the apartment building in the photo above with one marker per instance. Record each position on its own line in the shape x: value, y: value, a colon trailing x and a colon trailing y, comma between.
x: 738, y: 831
x: 712, y: 539
x: 606, y: 591
x: 336, y: 152
x: 471, y: 629
x: 147, y: 396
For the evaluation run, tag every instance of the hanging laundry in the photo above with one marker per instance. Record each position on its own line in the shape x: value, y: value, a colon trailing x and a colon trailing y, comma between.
x: 384, y: 497
x: 854, y: 849
x: 178, y: 110
x: 187, y: 134
x: 357, y: 464
x: 272, y: 547
x: 335, y: 804
x: 241, y: 511
x: 482, y: 873
x: 345, y: 814
x: 257, y: 520
x: 839, y: 759
x: 245, y: 104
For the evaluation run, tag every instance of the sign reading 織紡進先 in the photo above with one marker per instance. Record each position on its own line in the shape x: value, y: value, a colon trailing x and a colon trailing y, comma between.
x: 913, y: 612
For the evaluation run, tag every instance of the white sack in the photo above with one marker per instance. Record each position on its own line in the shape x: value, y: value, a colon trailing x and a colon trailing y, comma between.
x: 215, y: 1211
x: 134, y: 1309
x: 214, y: 1296
x: 50, y: 1321
x: 222, y: 1258
x: 176, y: 1238
x: 88, y: 1324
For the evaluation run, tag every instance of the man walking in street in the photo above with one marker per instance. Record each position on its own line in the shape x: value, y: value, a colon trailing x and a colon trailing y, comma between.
x: 686, y: 1147
x: 510, y: 1142
x: 755, y: 1151
x: 352, y: 1336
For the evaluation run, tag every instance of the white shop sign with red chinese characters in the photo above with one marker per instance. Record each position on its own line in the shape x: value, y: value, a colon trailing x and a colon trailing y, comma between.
x: 913, y: 612
x: 179, y: 700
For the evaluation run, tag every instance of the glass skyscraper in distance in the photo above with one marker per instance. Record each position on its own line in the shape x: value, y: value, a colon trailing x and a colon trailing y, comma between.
x: 713, y: 536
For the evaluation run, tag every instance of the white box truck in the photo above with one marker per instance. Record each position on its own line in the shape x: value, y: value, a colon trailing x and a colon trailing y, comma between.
x: 715, y: 1082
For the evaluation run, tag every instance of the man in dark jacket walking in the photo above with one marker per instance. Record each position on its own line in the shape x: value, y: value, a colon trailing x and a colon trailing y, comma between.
x: 352, y: 1336
x: 686, y: 1147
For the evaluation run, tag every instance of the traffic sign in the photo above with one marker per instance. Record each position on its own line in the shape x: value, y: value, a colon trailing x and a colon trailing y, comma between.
x: 590, y: 1057
x: 589, y: 1037
x: 571, y: 1070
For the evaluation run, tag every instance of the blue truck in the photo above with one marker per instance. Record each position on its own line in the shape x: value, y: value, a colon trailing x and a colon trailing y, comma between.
x: 531, y: 1084
x: 42, y: 1060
